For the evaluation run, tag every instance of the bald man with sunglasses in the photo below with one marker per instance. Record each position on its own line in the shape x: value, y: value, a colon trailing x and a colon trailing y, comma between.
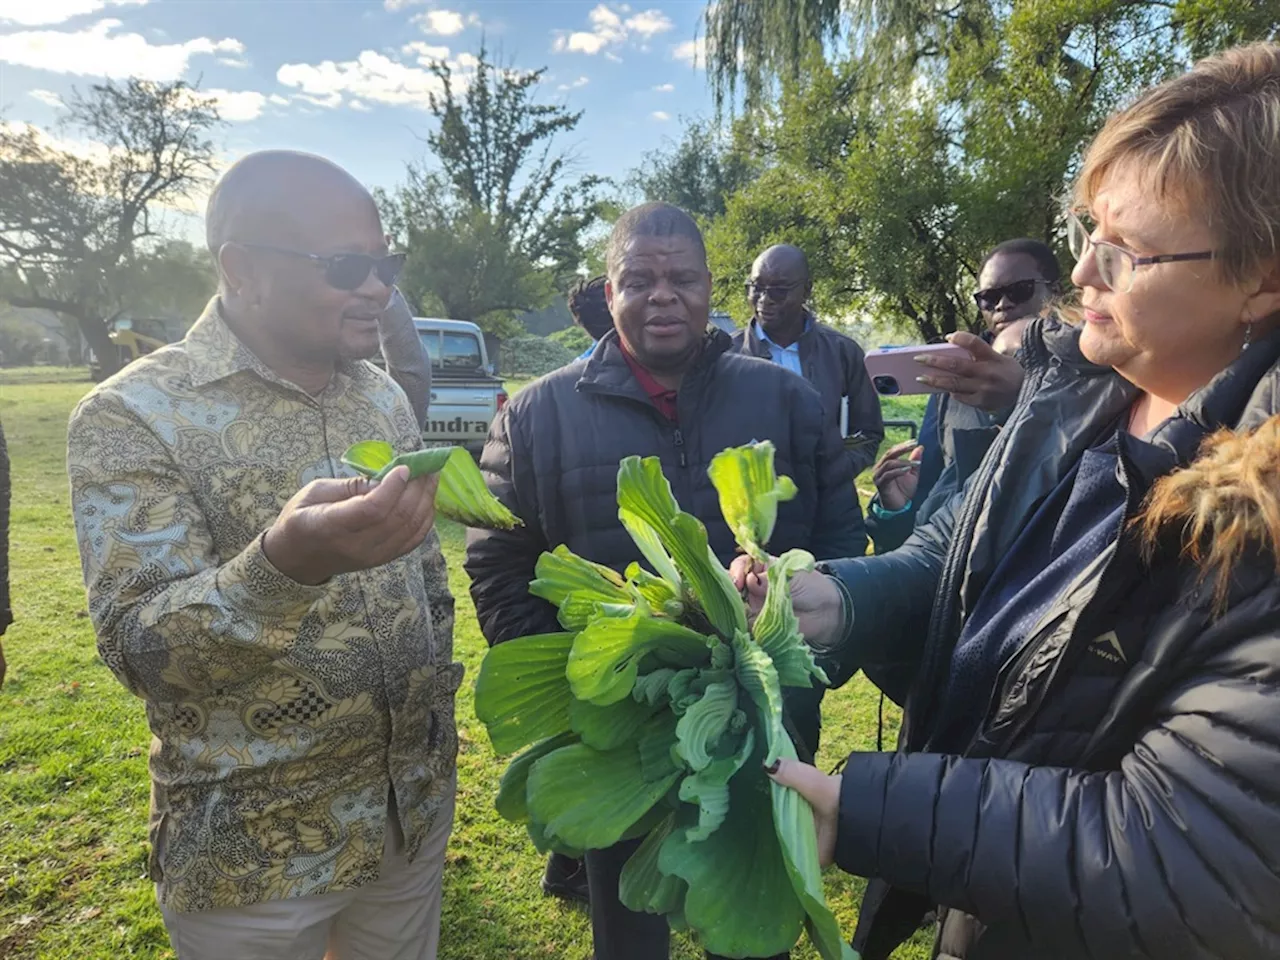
x: 288, y: 625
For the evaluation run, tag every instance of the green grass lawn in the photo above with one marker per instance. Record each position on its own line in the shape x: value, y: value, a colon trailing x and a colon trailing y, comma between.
x: 73, y: 777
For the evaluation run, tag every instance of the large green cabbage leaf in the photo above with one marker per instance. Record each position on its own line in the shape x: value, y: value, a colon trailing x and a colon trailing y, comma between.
x: 589, y: 798
x: 522, y: 693
x: 750, y: 492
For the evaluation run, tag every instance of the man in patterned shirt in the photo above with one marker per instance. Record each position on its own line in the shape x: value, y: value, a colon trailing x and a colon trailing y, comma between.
x: 289, y: 627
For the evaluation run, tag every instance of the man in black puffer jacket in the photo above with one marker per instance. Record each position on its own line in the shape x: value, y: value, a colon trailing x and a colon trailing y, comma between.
x: 658, y: 385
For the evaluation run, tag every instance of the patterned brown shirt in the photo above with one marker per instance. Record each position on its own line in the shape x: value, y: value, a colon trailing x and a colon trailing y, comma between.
x: 283, y: 714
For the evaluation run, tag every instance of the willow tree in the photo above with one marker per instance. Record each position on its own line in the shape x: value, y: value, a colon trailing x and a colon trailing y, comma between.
x: 907, y: 136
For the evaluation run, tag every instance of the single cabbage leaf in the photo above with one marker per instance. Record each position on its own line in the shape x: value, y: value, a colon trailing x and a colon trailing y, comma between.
x: 604, y: 660
x: 589, y: 798
x: 740, y: 901
x: 778, y: 631
x: 605, y: 728
x: 750, y: 492
x: 522, y: 693
x: 644, y: 888
x: 705, y: 721
x: 511, y: 802
x: 462, y: 495
x: 645, y: 501
x: 562, y: 573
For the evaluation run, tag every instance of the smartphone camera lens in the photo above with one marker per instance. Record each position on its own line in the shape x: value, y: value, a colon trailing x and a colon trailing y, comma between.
x: 886, y: 386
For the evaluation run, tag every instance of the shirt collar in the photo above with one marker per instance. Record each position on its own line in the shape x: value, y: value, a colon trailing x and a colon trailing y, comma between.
x: 795, y: 346
x: 662, y: 397
x: 216, y: 353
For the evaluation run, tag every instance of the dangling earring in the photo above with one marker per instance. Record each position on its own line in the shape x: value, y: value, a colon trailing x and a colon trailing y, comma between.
x: 1248, y: 335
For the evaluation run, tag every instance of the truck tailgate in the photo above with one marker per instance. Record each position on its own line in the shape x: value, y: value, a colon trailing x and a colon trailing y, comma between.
x: 460, y: 412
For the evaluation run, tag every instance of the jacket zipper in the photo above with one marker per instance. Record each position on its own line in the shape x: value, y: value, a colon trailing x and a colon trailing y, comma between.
x: 1013, y: 667
x: 949, y: 587
x: 678, y: 439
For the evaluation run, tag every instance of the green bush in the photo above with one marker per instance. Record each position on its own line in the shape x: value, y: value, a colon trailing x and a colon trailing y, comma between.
x: 574, y: 338
x: 534, y: 356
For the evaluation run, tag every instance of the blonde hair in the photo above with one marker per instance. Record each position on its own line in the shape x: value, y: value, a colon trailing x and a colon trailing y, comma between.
x: 1209, y: 139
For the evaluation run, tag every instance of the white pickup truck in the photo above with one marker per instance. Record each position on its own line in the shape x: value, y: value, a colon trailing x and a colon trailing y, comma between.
x: 465, y: 394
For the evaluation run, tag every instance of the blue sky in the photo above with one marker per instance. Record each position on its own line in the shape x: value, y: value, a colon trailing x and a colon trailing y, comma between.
x: 346, y: 78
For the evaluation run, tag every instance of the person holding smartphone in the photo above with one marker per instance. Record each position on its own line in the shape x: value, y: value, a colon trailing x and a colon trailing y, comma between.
x: 1017, y: 280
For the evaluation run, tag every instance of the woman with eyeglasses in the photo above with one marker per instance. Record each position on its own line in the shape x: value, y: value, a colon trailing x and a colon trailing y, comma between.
x: 1089, y: 765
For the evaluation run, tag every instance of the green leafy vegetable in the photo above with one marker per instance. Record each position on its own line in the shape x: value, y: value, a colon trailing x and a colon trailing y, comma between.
x: 605, y: 657
x: 654, y: 715
x: 462, y: 495
x: 522, y: 694
x: 588, y: 798
x: 750, y: 493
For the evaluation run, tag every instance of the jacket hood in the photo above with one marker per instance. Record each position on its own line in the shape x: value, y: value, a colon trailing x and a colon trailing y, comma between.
x: 1225, y: 503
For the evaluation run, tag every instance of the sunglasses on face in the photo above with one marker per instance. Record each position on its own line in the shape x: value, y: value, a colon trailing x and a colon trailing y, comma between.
x: 1018, y: 292
x: 345, y: 271
x: 1117, y: 267
x: 774, y: 291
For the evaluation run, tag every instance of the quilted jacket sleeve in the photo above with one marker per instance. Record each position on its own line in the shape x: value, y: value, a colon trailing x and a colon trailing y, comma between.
x: 1173, y: 854
x: 501, y: 563
x: 891, y: 597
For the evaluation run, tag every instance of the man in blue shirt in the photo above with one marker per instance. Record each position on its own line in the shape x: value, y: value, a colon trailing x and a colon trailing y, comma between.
x: 784, y: 330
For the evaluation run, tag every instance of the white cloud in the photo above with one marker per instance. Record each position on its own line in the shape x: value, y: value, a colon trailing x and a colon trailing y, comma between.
x: 370, y: 78
x: 649, y: 23
x: 42, y: 13
x: 425, y: 52
x: 661, y: 115
x: 237, y: 106
x: 692, y: 52
x: 445, y: 23
x: 575, y: 84
x: 360, y: 106
x: 612, y: 26
x: 276, y: 100
x: 47, y: 97
x: 98, y: 51
x: 665, y: 88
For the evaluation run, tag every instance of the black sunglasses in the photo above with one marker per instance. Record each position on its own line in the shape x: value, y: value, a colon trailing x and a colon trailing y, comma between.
x: 774, y: 291
x: 345, y: 271
x: 1020, y: 291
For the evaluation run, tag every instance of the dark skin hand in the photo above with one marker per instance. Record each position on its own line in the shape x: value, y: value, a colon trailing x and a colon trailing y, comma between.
x: 781, y: 288
x: 341, y: 526
x: 985, y: 379
x: 897, y: 475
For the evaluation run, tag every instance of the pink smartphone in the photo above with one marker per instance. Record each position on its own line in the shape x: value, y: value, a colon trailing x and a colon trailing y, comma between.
x: 893, y: 370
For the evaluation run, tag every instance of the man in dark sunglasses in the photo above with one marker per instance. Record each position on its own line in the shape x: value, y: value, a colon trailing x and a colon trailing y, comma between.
x: 288, y: 624
x: 784, y: 330
x: 1016, y: 281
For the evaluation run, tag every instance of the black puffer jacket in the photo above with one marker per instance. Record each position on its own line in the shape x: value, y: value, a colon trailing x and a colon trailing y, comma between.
x: 1122, y: 798
x: 553, y: 453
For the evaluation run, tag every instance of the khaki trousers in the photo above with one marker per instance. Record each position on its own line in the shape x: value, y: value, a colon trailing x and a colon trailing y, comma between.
x: 397, y: 917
